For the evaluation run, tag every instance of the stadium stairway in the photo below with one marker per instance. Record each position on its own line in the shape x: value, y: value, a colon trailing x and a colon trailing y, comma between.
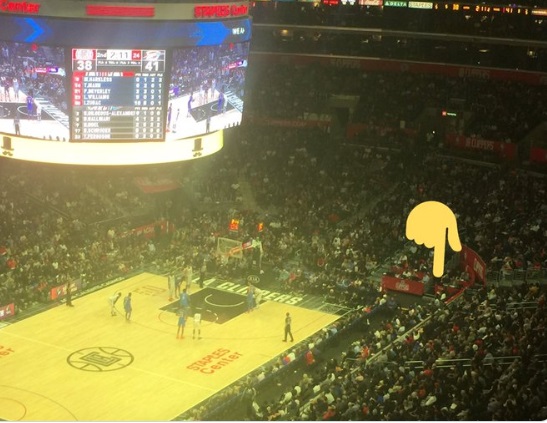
x: 246, y: 193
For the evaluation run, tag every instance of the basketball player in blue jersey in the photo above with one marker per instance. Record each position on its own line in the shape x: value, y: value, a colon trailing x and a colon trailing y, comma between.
x: 181, y: 325
x: 190, y: 101
x: 127, y: 307
x: 185, y: 301
x: 30, y: 106
x: 220, y: 104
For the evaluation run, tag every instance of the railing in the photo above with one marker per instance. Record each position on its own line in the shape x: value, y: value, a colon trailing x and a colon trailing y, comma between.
x: 466, y: 362
x: 521, y: 305
x: 516, y: 275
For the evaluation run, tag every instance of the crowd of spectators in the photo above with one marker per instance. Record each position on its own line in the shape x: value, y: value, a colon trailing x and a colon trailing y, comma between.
x: 302, y: 196
x: 88, y: 196
x: 405, y: 42
x: 480, y: 358
x: 506, y: 111
x: 398, y: 46
x: 332, y: 213
x: 500, y: 216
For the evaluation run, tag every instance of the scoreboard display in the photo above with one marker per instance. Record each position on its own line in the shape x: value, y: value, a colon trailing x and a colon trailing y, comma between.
x: 86, y: 89
x: 117, y: 94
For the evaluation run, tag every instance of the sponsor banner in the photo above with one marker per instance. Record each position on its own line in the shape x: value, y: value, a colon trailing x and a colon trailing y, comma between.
x: 159, y: 11
x: 60, y: 291
x: 7, y: 311
x: 215, y: 361
x: 392, y: 283
x: 420, y: 5
x: 395, y: 3
x: 380, y: 65
x: 474, y: 261
x: 23, y: 7
x: 120, y: 11
x: 149, y: 230
x: 538, y: 155
x: 501, y: 149
x: 215, y: 11
x: 150, y: 186
x: 371, y: 2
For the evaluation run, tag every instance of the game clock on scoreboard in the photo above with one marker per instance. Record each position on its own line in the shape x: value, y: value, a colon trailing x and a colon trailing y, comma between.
x: 117, y: 94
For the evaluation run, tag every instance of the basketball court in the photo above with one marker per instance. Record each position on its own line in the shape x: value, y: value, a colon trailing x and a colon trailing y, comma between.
x: 184, y: 123
x: 81, y: 363
x: 52, y: 124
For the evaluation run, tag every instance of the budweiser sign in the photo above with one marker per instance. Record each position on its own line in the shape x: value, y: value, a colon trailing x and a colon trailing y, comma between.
x: 19, y: 7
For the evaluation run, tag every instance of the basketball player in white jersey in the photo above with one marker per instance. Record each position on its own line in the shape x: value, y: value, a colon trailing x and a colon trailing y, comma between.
x: 197, y: 326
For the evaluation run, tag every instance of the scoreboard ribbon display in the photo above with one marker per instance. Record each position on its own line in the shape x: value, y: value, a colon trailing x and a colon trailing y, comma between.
x: 124, y: 34
x: 117, y: 94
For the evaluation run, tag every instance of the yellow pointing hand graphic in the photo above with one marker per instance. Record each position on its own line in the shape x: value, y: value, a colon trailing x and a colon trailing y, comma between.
x: 428, y: 224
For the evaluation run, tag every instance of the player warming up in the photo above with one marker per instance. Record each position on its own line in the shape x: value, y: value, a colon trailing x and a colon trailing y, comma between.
x: 112, y: 301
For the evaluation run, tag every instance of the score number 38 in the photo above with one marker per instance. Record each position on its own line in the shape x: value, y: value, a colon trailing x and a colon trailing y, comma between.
x: 84, y: 65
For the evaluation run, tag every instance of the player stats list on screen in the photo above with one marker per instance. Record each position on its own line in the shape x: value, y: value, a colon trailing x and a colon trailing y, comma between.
x: 117, y: 94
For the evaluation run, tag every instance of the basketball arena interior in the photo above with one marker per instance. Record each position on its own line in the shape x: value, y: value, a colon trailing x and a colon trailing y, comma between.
x: 273, y: 210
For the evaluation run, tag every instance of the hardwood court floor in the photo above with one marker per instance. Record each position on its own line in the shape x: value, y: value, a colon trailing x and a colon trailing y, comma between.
x: 81, y: 363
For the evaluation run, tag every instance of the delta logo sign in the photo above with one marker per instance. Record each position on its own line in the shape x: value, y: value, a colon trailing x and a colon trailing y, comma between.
x: 7, y: 6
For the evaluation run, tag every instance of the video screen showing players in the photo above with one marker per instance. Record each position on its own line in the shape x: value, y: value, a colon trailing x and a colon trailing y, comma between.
x: 33, y: 97
x: 206, y: 89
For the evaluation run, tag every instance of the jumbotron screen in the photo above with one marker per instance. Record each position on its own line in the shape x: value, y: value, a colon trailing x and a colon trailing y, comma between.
x: 33, y: 94
x: 120, y: 94
x: 87, y: 82
x: 206, y: 89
